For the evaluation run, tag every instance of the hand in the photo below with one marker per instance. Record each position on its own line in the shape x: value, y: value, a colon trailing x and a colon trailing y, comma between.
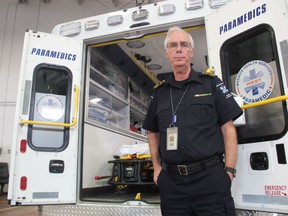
x: 156, y: 174
x: 230, y: 175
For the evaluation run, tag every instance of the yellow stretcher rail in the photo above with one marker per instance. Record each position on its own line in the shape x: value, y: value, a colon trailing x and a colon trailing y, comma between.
x: 135, y: 156
x: 268, y: 101
x: 74, y: 119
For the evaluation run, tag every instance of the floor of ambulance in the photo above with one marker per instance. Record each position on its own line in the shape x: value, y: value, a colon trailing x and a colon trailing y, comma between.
x: 122, y: 193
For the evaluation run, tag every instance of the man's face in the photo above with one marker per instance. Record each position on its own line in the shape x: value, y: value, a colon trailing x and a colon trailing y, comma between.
x: 179, y: 51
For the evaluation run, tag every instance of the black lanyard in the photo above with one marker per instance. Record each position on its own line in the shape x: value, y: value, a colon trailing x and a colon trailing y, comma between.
x: 174, y: 116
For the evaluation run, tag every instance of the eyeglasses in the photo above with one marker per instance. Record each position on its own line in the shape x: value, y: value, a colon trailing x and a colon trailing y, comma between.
x: 183, y: 44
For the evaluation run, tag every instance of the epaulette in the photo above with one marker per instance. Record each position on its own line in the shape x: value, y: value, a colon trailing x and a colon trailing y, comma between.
x: 209, y: 72
x: 159, y: 84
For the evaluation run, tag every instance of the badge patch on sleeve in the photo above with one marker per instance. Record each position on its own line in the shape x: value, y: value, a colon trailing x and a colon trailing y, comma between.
x: 223, y: 89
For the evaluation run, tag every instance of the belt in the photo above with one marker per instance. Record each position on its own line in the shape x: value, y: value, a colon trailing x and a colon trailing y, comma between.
x: 187, y: 169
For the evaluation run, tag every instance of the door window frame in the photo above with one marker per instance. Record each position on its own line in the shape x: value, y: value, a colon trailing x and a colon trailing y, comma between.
x: 226, y: 62
x: 58, y: 69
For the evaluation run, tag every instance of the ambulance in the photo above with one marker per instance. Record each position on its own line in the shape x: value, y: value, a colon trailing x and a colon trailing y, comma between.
x: 78, y: 146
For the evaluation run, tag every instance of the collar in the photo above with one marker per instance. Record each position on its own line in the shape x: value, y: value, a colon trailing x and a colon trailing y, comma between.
x: 193, y: 77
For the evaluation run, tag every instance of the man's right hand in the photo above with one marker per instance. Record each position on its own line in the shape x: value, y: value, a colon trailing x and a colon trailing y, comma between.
x: 156, y: 174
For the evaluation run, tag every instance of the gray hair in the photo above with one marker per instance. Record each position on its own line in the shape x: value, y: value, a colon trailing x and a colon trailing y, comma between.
x: 175, y: 29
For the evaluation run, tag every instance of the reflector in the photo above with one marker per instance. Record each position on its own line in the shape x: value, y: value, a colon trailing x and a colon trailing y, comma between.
x: 91, y: 25
x: 166, y: 9
x: 23, y: 145
x: 115, y: 20
x: 23, y: 183
x: 140, y: 15
x: 70, y: 29
x: 194, y: 4
x: 217, y: 3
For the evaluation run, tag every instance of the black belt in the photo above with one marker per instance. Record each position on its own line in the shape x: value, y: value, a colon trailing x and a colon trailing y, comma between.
x: 187, y: 169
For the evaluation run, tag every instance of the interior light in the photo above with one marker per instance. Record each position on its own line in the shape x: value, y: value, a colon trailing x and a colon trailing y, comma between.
x: 217, y: 3
x: 154, y: 67
x: 194, y: 4
x: 135, y: 44
x: 115, y: 20
x: 95, y: 100
x: 140, y: 15
x: 70, y: 29
x: 91, y: 25
x: 166, y: 9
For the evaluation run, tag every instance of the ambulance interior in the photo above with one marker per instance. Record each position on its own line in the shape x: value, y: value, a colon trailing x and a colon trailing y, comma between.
x: 117, y: 95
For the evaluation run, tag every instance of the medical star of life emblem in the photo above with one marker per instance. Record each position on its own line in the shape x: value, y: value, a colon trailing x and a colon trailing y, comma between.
x: 49, y: 107
x: 254, y: 81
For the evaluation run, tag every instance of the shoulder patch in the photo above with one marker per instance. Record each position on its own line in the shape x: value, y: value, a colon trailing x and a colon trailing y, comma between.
x: 223, y: 89
x: 209, y: 72
x: 159, y: 84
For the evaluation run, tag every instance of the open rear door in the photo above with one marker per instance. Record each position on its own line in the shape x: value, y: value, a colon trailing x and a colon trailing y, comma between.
x: 247, y: 41
x: 43, y: 166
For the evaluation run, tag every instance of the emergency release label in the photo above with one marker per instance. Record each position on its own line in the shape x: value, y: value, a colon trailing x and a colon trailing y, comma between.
x: 255, y: 81
x: 275, y: 190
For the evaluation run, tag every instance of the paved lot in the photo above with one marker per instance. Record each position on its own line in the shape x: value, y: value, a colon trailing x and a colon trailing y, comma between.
x: 7, y: 210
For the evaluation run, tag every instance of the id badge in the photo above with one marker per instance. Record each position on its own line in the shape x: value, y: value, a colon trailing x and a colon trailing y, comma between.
x: 172, y: 138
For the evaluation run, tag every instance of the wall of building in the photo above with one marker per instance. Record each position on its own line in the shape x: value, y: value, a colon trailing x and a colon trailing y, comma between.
x: 15, y: 19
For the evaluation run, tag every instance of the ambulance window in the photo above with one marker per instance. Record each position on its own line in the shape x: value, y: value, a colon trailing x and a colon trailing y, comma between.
x: 50, y: 102
x: 251, y: 69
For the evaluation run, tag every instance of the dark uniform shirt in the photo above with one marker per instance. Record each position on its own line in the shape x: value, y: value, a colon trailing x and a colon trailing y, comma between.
x: 205, y: 107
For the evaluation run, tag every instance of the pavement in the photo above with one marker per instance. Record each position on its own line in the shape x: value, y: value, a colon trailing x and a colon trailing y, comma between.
x: 7, y: 210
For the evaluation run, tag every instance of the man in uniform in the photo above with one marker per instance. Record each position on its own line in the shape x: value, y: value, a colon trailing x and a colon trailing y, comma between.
x: 190, y: 128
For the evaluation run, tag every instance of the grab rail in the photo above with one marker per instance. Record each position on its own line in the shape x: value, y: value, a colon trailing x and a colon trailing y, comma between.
x: 264, y: 102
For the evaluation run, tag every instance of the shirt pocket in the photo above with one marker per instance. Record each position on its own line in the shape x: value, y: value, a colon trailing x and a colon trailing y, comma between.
x: 164, y: 117
x: 201, y: 110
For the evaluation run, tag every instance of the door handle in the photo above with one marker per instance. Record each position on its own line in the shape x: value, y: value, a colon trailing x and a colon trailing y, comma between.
x: 259, y: 161
x: 56, y: 166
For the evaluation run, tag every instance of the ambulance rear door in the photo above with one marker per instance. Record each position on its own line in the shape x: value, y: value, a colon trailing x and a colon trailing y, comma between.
x: 247, y: 45
x: 43, y: 166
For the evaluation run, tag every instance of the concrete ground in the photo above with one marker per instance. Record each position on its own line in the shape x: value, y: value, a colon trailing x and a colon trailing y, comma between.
x: 7, y: 210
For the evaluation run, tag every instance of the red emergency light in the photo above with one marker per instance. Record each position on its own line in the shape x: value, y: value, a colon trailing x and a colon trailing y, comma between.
x: 23, y: 145
x: 23, y: 183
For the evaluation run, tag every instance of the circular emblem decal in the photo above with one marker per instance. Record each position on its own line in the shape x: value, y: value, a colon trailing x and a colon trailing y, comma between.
x: 50, y: 108
x: 255, y: 81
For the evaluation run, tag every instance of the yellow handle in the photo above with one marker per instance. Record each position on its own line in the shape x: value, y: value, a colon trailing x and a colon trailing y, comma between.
x: 74, y: 120
x: 268, y: 101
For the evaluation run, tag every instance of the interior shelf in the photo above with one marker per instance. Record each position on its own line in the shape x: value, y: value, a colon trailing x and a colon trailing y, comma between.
x: 114, y: 98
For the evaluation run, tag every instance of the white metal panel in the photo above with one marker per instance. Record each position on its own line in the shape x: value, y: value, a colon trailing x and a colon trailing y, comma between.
x: 275, y: 16
x: 255, y: 190
x: 43, y: 186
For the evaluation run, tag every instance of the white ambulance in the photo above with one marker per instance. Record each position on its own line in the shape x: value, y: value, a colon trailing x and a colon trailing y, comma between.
x: 78, y: 146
